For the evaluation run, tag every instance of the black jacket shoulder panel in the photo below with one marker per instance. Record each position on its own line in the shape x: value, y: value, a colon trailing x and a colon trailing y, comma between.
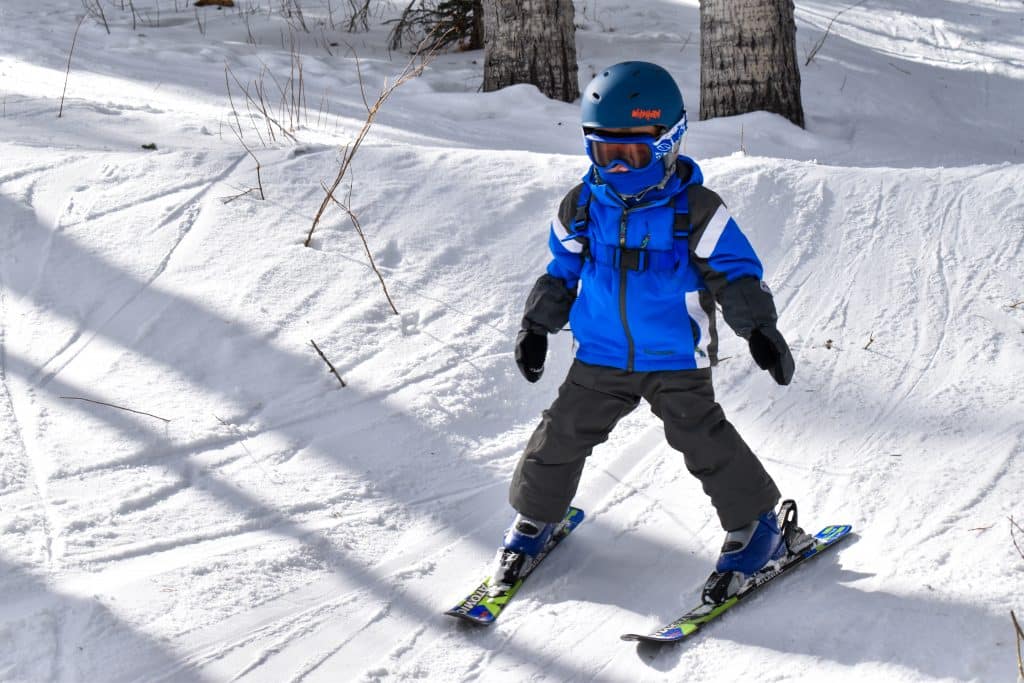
x: 703, y: 203
x: 567, y: 209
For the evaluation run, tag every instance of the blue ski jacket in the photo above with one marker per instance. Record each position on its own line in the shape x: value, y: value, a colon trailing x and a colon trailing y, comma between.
x: 638, y: 282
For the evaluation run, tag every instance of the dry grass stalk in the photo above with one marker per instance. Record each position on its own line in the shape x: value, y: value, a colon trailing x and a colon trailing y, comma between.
x: 67, y: 73
x: 412, y: 70
x: 238, y: 134
x: 259, y: 103
x: 821, y: 42
x: 199, y: 23
x: 95, y: 10
x: 1020, y: 639
x: 111, y: 405
x: 362, y: 236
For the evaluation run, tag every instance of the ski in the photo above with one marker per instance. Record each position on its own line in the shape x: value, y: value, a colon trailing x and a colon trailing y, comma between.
x: 691, y: 622
x: 480, y: 607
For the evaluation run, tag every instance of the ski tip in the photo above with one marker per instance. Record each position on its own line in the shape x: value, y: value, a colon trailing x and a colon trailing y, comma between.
x: 833, y: 533
x: 479, y: 615
x: 651, y: 639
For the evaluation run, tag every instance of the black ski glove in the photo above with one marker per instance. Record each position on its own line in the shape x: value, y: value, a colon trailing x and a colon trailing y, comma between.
x: 771, y: 353
x: 531, y: 350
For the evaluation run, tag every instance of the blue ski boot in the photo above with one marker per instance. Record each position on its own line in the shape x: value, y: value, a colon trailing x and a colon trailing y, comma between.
x: 754, y: 548
x: 524, y: 540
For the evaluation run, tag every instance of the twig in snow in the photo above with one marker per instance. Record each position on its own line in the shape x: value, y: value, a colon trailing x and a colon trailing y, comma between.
x: 1017, y: 304
x: 261, y: 106
x: 67, y: 73
x: 199, y: 23
x: 871, y: 340
x: 359, y: 230
x: 1020, y: 638
x: 95, y: 9
x: 411, y: 70
x: 828, y: 29
x: 238, y: 134
x: 131, y: 5
x: 111, y: 405
x: 333, y: 371
x: 686, y: 42
x: 899, y: 69
x: 1013, y: 537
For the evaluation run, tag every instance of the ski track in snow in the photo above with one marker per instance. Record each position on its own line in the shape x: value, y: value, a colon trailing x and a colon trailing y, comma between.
x: 30, y: 466
x: 188, y: 213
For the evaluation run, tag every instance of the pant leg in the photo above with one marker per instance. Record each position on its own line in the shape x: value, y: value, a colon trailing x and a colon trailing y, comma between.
x: 730, y: 473
x: 590, y: 403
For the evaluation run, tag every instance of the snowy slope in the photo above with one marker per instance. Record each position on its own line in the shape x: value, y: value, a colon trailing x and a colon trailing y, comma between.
x: 264, y: 524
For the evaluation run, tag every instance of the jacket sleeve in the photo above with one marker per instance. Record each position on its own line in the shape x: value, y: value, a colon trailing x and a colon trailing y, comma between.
x: 727, y: 263
x: 552, y: 296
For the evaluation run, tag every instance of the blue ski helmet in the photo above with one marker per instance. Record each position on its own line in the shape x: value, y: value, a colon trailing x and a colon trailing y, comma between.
x: 627, y: 95
x: 632, y: 94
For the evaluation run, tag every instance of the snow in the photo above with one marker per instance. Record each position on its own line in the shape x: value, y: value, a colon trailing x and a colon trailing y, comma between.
x: 263, y: 523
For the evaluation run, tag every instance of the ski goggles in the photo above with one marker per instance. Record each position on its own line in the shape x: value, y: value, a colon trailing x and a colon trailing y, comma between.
x: 636, y: 151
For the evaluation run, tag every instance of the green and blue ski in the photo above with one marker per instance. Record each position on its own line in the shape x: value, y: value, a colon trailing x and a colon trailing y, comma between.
x: 481, y: 607
x: 691, y: 622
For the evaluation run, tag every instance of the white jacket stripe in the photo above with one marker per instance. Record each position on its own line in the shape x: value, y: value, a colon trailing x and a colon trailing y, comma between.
x: 712, y: 233
x: 699, y: 316
x: 572, y: 245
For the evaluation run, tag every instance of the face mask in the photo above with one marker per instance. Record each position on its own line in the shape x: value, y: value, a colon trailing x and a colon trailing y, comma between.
x: 633, y: 182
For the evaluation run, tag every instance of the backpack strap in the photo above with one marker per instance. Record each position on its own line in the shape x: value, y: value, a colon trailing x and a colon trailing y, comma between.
x: 574, y: 214
x: 681, y: 228
x: 581, y: 219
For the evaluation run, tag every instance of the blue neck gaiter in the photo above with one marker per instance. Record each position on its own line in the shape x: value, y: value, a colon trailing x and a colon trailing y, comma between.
x: 632, y: 182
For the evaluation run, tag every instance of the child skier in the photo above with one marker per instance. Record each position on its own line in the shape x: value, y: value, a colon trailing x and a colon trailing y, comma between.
x: 641, y: 253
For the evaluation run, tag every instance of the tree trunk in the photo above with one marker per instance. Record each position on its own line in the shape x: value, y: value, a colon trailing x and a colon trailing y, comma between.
x: 748, y: 59
x: 531, y: 41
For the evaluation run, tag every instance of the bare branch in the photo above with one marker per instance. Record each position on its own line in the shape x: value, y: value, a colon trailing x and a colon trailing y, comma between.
x: 411, y: 70
x: 67, y: 73
x: 241, y: 141
x: 1013, y: 536
x: 817, y: 46
x: 359, y: 230
x: 359, y: 75
x: 333, y: 371
x: 260, y: 103
x: 1020, y: 639
x: 871, y: 340
x: 95, y: 9
x: 111, y: 405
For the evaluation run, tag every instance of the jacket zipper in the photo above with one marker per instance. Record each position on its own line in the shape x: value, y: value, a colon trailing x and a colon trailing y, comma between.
x: 630, y: 350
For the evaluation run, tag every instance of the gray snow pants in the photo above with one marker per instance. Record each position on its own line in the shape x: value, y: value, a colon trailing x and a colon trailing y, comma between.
x: 590, y: 403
